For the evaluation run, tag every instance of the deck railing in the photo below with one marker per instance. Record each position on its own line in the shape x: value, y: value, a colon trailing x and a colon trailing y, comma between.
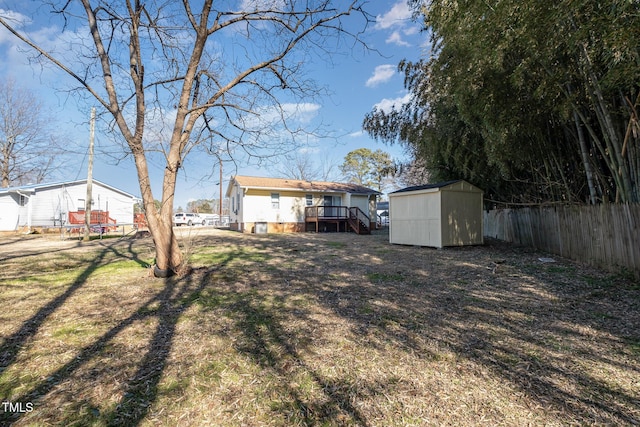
x: 359, y: 219
x: 326, y: 212
x: 354, y: 216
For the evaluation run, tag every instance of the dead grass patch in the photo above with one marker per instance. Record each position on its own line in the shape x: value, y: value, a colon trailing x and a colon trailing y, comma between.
x: 314, y: 329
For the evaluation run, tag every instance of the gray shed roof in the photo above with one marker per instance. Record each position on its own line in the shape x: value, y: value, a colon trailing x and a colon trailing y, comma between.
x: 426, y: 186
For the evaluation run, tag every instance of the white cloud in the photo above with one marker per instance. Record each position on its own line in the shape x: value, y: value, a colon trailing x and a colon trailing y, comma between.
x: 309, y: 150
x: 396, y: 16
x: 396, y: 38
x: 272, y: 117
x: 356, y: 134
x: 252, y: 5
x: 398, y: 21
x: 303, y: 112
x: 388, y: 105
x: 15, y: 19
x: 410, y: 31
x: 381, y: 74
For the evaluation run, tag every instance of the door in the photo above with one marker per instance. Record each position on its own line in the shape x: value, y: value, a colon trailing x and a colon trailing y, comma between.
x: 331, y: 203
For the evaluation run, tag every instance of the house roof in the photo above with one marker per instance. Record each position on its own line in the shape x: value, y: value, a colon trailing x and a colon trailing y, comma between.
x: 32, y: 188
x: 432, y: 186
x: 297, y: 184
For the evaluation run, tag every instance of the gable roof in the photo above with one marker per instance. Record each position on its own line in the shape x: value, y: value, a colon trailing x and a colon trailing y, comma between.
x: 32, y: 188
x: 301, y: 185
x: 433, y: 186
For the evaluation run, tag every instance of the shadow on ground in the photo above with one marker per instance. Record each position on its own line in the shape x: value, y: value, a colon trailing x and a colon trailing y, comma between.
x: 292, y: 300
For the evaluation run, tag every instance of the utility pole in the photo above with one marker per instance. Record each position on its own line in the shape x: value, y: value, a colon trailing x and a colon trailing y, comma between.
x: 87, y: 202
x: 220, y: 201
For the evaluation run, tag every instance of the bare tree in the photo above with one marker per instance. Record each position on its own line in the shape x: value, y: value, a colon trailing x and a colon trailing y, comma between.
x: 211, y: 79
x: 414, y: 172
x: 299, y: 166
x: 27, y: 146
x: 307, y: 166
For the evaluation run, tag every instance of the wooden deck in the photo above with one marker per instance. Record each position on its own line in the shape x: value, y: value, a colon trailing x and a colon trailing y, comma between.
x: 340, y: 218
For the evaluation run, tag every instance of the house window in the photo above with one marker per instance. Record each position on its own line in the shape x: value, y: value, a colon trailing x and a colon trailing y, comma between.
x: 23, y: 200
x: 275, y: 200
x: 309, y: 199
x: 82, y: 204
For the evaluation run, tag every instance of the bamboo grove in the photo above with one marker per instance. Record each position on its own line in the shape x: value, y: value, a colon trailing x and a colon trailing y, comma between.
x: 535, y: 102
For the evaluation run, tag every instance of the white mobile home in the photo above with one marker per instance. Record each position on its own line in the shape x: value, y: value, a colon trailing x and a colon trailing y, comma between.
x: 48, y: 205
x: 436, y: 215
x: 268, y: 205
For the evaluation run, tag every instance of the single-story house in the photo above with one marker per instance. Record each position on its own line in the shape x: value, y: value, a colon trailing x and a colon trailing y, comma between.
x: 271, y: 205
x: 437, y: 215
x: 51, y: 204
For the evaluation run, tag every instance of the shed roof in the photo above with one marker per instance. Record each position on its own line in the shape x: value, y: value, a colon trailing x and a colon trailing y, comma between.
x: 296, y: 184
x: 438, y: 185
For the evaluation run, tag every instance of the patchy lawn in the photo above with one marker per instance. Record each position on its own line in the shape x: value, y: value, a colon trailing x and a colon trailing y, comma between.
x: 312, y: 329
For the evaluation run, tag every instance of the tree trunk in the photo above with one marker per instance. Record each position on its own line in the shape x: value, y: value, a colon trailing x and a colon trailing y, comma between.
x: 168, y: 254
x: 584, y: 152
x: 604, y: 116
x: 169, y: 257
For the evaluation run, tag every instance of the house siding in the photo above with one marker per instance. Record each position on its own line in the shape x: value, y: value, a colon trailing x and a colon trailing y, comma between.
x: 287, y: 218
x: 257, y: 207
x: 252, y: 208
x: 365, y: 205
x: 48, y: 204
x: 9, y: 212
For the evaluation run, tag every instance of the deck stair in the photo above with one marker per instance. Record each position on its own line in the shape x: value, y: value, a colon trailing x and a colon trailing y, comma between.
x: 359, y: 221
x: 344, y: 218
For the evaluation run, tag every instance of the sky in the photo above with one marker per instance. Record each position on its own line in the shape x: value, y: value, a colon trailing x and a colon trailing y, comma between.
x: 357, y: 80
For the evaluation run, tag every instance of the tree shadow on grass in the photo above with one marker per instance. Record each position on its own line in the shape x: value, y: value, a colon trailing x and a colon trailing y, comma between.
x: 27, y: 254
x: 273, y: 348
x: 509, y: 322
x: 140, y: 391
x: 12, y: 344
x: 500, y: 322
x: 515, y: 320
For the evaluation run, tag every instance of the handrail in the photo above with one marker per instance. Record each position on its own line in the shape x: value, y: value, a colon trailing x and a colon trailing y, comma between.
x: 356, y: 214
x: 326, y: 212
x: 353, y: 215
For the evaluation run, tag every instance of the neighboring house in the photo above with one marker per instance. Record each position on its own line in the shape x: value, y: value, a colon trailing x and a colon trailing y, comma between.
x: 268, y: 205
x: 382, y: 212
x: 49, y: 204
x: 437, y: 215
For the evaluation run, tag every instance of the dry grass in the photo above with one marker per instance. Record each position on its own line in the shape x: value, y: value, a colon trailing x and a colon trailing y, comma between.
x: 313, y: 329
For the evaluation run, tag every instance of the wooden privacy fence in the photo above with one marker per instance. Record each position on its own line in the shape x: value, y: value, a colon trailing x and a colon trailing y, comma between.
x: 607, y: 236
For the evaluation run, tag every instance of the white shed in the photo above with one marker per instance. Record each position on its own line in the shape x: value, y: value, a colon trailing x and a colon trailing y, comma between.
x: 437, y: 215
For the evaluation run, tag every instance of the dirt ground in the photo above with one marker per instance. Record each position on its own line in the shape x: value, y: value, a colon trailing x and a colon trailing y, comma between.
x: 350, y: 330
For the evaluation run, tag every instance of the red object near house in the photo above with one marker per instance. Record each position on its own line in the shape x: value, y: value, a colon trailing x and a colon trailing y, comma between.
x: 140, y: 220
x: 99, y: 219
